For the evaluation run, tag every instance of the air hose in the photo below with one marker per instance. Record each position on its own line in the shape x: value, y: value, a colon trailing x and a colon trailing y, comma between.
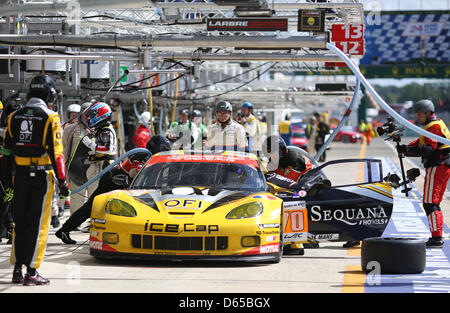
x: 382, y: 103
x: 110, y: 167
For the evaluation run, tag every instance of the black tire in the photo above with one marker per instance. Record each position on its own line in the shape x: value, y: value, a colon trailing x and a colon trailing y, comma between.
x: 345, y: 139
x: 394, y: 255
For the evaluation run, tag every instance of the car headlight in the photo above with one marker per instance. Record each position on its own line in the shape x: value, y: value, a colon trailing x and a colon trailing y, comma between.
x: 252, y: 209
x: 119, y: 207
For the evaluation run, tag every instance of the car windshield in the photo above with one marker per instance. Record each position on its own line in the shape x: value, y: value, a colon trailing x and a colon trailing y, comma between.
x: 299, y: 135
x: 230, y: 176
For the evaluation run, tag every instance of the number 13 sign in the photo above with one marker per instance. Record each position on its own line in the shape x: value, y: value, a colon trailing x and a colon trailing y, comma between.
x: 349, y: 38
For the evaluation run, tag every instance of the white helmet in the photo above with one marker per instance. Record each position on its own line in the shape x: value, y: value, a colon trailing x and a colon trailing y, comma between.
x: 145, y: 117
x: 74, y: 108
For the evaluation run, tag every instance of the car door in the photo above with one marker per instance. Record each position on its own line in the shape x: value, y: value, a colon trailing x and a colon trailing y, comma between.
x: 342, y: 207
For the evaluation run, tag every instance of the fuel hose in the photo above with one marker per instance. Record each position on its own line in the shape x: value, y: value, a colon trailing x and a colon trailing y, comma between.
x: 110, y: 167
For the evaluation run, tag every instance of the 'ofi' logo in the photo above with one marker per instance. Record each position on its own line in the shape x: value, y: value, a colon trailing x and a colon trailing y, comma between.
x: 347, y: 216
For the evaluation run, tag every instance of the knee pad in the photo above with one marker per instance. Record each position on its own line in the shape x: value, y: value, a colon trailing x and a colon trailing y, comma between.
x: 430, y: 208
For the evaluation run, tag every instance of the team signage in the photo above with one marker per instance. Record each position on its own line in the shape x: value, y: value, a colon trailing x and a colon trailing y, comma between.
x: 349, y: 38
x: 247, y: 24
x: 311, y: 20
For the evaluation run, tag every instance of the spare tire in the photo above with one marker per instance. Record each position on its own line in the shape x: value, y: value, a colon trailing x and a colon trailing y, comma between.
x: 394, y: 255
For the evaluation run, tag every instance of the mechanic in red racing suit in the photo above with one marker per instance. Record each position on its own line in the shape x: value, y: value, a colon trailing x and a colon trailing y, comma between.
x: 111, y: 181
x: 436, y: 160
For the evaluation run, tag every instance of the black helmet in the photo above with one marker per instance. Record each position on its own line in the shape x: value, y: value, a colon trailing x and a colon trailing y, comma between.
x: 423, y: 106
x: 224, y: 106
x: 196, y: 113
x: 185, y: 111
x: 157, y: 144
x: 273, y: 141
x: 140, y: 157
x: 43, y: 87
x: 274, y: 148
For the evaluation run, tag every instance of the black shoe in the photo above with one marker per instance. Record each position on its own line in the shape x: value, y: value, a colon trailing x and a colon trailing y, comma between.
x: 35, y: 280
x: 350, y: 244
x: 17, y: 277
x: 55, y: 222
x: 65, y: 237
x: 311, y: 245
x: 60, y: 211
x: 288, y: 250
x: 434, y: 242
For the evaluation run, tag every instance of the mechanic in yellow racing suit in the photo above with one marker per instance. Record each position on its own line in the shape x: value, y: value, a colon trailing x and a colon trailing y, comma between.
x: 33, y: 160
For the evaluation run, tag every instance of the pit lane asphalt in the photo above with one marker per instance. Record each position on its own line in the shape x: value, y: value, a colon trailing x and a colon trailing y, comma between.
x: 329, y: 269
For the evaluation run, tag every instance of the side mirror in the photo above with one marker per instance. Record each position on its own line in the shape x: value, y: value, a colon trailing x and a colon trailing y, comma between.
x: 274, y: 189
x: 121, y: 180
x: 393, y: 179
x: 412, y: 174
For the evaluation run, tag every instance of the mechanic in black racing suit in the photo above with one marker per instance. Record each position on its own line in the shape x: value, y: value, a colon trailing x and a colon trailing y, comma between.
x: 111, y: 181
x: 285, y: 167
x: 6, y: 214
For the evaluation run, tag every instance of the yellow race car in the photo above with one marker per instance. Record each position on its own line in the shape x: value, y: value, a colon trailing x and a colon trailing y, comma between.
x: 190, y: 205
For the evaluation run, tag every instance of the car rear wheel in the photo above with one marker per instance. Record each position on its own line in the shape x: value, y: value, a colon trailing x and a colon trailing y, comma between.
x: 393, y: 255
x: 345, y: 139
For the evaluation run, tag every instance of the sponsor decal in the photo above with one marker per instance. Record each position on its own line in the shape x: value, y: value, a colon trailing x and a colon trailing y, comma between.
x: 423, y: 29
x: 274, y: 225
x: 186, y: 203
x: 294, y: 205
x: 247, y: 24
x: 95, y: 233
x: 265, y: 197
x: 26, y: 131
x: 354, y: 216
x: 96, y: 245
x: 100, y: 221
x: 273, y: 248
x: 176, y: 228
x: 295, y: 237
x: 324, y: 237
x: 271, y: 238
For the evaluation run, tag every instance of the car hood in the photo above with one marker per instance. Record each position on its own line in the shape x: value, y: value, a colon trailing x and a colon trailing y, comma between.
x: 188, y: 198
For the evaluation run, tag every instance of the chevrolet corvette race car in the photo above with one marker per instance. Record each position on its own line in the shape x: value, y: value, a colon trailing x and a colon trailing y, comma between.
x: 182, y: 205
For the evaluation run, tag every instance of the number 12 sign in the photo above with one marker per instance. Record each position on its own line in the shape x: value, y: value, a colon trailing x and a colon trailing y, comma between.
x: 349, y: 38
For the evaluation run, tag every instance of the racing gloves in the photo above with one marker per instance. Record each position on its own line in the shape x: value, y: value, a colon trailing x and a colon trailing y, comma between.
x: 413, y: 151
x: 64, y: 191
x: 9, y: 193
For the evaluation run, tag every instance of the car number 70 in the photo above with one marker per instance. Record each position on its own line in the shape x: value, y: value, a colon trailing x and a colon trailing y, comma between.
x: 295, y: 221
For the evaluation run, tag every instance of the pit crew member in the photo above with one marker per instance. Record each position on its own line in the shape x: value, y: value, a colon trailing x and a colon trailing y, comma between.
x: 33, y: 153
x: 225, y: 133
x: 436, y: 160
x: 109, y: 182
